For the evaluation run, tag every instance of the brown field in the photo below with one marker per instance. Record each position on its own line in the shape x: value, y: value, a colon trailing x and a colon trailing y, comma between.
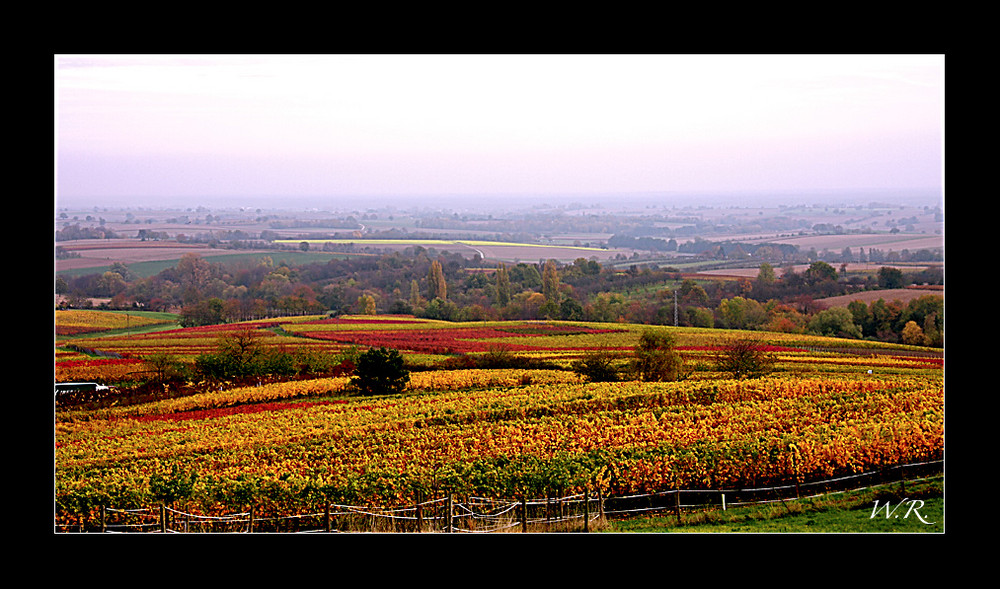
x: 904, y: 295
x: 882, y: 241
x: 851, y: 267
x: 529, y: 254
x: 102, y: 252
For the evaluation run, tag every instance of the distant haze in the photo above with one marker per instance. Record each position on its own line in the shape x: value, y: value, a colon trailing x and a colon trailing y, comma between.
x: 487, y: 203
x: 487, y: 130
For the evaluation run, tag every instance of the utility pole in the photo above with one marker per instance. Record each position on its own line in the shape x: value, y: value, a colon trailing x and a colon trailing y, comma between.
x: 675, y: 307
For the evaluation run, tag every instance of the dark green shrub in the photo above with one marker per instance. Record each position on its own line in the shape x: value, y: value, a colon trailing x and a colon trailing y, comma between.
x: 218, y: 366
x: 277, y: 363
x: 597, y: 367
x: 243, y: 355
x: 380, y: 371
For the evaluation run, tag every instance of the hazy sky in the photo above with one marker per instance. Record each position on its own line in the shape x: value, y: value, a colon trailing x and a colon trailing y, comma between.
x: 151, y: 129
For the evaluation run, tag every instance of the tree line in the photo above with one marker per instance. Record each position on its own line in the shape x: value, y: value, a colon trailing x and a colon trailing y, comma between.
x: 449, y: 286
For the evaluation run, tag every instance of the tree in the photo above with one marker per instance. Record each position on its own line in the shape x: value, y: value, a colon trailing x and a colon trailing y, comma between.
x: 244, y: 345
x: 414, y: 294
x: 889, y: 277
x: 526, y: 275
x: 193, y: 270
x: 165, y: 367
x: 530, y: 303
x: 699, y: 317
x: 597, y: 367
x: 884, y: 318
x: 122, y: 270
x: 380, y: 371
x: 570, y: 309
x: 766, y: 275
x: 913, y: 334
x: 861, y: 315
x: 367, y: 304
x: 931, y: 332
x: 819, y: 272
x: 655, y: 359
x: 435, y: 279
x: 835, y: 322
x: 744, y: 357
x: 742, y: 313
x: 588, y: 267
x: 920, y: 309
x: 549, y: 309
x: 440, y: 309
x: 205, y: 312
x: 550, y: 281
x: 503, y: 286
x: 242, y: 354
x: 692, y: 293
x: 606, y: 307
x: 111, y: 283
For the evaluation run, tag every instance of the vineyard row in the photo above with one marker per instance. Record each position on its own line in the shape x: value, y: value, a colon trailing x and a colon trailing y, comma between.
x: 485, y: 515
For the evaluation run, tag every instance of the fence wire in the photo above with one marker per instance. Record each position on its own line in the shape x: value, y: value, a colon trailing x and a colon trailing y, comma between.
x: 478, y: 515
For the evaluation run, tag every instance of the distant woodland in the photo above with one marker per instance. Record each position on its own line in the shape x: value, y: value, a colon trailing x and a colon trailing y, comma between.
x: 452, y: 287
x: 659, y: 282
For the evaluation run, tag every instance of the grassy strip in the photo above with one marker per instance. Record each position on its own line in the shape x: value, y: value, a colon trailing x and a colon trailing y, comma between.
x: 914, y: 508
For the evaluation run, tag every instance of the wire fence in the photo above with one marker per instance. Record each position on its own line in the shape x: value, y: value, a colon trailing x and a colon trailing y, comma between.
x: 478, y: 515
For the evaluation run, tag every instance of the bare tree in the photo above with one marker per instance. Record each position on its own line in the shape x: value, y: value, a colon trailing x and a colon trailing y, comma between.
x: 745, y: 357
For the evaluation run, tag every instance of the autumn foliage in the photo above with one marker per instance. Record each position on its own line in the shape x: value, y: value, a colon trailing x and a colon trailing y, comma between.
x: 287, y: 447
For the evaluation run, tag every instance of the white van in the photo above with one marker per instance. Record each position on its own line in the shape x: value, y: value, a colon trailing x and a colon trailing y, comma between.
x: 69, y: 387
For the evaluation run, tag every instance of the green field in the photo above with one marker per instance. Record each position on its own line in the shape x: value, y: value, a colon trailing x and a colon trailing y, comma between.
x: 152, y: 268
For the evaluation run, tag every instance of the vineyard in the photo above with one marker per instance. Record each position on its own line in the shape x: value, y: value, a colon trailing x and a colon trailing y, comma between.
x: 831, y: 408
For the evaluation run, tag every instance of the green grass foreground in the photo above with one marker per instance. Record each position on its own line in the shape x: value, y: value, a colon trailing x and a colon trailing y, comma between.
x: 913, y: 508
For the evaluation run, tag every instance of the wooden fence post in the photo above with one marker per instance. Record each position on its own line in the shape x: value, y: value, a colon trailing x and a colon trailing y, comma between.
x: 420, y: 512
x: 548, y: 509
x: 742, y: 495
x: 600, y: 502
x: 448, y: 516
